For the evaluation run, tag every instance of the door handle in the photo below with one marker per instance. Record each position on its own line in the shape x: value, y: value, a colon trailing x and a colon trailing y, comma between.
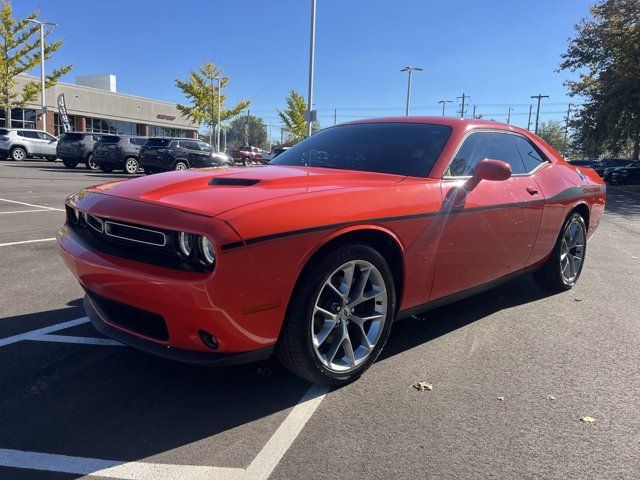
x: 532, y: 190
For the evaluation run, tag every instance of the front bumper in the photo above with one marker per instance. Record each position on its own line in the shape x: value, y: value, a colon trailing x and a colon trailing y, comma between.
x: 99, y: 320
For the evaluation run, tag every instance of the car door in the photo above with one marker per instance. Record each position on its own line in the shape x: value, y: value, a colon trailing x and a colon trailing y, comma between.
x: 490, y: 231
x: 32, y: 141
x: 48, y: 142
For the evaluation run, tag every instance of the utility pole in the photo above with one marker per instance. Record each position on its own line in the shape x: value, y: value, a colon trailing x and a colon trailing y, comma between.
x: 474, y: 111
x: 42, y: 82
x: 409, y: 69
x: 529, y: 121
x: 444, y: 102
x: 463, y: 97
x: 509, y: 115
x: 218, y: 124
x: 539, y: 97
x: 335, y: 115
x: 269, y: 135
x: 312, y: 48
x: 566, y: 127
x: 246, y: 129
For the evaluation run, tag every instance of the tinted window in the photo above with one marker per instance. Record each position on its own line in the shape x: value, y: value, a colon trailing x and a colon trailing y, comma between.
x: 138, y: 141
x: 95, y: 138
x: 615, y: 163
x: 110, y: 139
x: 72, y: 137
x: 158, y: 142
x: 28, y: 134
x: 530, y: 156
x: 204, y: 147
x: 4, y: 131
x: 482, y: 145
x: 190, y: 145
x: 397, y: 148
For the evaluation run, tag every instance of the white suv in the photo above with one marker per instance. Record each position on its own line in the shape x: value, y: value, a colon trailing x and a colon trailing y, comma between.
x: 22, y: 143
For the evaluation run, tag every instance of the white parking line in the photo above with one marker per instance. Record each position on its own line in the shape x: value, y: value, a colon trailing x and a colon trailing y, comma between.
x: 259, y: 469
x: 27, y: 241
x: 27, y: 211
x: 42, y: 331
x: 79, y: 340
x: 31, y: 205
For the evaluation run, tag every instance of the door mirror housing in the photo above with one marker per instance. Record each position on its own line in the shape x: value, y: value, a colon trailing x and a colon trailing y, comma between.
x: 488, y: 169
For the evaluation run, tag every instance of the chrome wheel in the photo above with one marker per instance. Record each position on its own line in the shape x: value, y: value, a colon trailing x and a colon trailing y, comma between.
x: 131, y: 166
x: 181, y: 166
x: 572, y: 251
x: 349, y: 315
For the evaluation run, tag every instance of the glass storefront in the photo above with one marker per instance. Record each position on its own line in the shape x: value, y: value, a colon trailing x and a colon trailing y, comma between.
x: 57, y: 124
x: 159, y: 131
x: 20, y: 118
x: 101, y: 125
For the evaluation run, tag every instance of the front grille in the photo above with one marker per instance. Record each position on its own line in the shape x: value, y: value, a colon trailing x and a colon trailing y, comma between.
x: 133, y: 242
x: 135, y: 319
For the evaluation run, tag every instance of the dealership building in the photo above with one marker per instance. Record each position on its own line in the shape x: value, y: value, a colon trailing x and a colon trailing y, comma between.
x: 94, y: 105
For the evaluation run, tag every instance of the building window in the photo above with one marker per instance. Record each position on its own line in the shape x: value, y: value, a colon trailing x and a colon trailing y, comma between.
x: 160, y: 131
x: 101, y: 125
x: 20, y: 118
x: 57, y: 124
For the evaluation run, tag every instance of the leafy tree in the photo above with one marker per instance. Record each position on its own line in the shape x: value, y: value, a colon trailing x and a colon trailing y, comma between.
x: 201, y: 88
x: 552, y: 132
x: 237, y: 134
x: 293, y: 116
x: 605, y: 53
x: 20, y: 53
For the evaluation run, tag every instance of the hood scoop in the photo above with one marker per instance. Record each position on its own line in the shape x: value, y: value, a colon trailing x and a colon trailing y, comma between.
x: 233, y: 182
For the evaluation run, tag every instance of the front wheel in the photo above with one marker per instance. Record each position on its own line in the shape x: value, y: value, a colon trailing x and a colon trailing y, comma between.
x: 563, y: 268
x: 339, y: 317
x: 245, y: 161
x: 131, y: 166
x: 91, y: 165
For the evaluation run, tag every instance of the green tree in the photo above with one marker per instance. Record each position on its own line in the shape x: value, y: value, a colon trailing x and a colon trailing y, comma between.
x: 20, y: 53
x: 201, y: 89
x: 552, y: 132
x: 254, y: 126
x: 293, y: 116
x: 605, y: 54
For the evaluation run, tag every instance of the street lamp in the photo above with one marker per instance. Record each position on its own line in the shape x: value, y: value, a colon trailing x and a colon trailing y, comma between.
x: 409, y: 69
x: 444, y: 102
x: 312, y: 48
x: 218, y: 132
x: 42, y: 83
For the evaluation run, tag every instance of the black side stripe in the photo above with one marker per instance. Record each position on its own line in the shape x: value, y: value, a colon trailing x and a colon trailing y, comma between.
x: 568, y: 194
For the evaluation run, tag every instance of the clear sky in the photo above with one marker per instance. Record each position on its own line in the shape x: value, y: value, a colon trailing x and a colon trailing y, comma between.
x: 499, y: 52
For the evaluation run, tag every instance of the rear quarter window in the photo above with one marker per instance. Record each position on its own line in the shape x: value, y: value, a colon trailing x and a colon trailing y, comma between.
x: 158, y: 142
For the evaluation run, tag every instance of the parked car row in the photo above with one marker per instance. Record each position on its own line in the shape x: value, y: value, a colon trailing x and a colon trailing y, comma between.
x: 613, y: 171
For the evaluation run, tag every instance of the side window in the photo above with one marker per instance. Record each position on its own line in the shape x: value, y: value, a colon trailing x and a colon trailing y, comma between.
x: 190, y: 145
x: 45, y: 136
x: 482, y: 145
x: 530, y: 156
x: 30, y: 134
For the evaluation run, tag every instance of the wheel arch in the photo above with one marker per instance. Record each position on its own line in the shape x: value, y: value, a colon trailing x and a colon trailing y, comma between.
x: 20, y: 145
x: 583, y: 209
x: 379, y: 238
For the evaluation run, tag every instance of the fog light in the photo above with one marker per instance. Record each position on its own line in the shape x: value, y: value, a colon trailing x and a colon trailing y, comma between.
x: 207, y: 251
x: 185, y: 244
x: 209, y: 340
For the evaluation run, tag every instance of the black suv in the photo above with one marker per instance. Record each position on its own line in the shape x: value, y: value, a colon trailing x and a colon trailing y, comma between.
x: 76, y: 147
x: 118, y: 152
x: 162, y: 154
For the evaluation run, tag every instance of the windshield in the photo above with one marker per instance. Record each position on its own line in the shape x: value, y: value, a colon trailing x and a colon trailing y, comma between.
x: 110, y: 139
x: 408, y: 149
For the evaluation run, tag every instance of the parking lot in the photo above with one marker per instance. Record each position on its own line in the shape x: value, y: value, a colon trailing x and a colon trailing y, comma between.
x: 513, y: 371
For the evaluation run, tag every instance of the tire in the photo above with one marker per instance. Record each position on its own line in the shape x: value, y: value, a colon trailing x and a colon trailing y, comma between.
x: 91, y: 165
x: 245, y: 161
x: 556, y: 274
x: 304, y: 324
x: 131, y: 166
x: 181, y: 165
x: 51, y: 159
x: 70, y: 163
x: 18, y: 154
x: 106, y: 168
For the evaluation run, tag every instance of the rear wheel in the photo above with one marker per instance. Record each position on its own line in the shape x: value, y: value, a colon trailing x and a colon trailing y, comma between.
x: 339, y: 317
x: 70, y: 163
x: 564, y: 266
x: 91, y: 165
x: 18, y: 154
x: 131, y: 166
x: 245, y: 161
x: 181, y: 165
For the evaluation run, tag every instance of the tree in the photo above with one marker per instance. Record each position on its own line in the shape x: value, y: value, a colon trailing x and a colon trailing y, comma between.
x: 293, y: 116
x: 605, y: 53
x: 552, y: 132
x: 201, y: 88
x: 20, y: 53
x: 257, y: 130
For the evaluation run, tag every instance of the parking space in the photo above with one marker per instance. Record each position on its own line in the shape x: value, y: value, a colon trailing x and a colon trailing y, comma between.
x: 513, y: 370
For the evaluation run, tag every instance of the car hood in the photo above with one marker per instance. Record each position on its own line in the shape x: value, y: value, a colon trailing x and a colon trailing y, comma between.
x: 212, y: 191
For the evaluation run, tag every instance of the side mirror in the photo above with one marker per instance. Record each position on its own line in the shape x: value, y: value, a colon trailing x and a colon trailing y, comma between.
x: 487, y: 169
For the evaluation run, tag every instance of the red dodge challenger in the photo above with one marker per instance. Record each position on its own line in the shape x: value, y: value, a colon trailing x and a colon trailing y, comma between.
x: 314, y: 255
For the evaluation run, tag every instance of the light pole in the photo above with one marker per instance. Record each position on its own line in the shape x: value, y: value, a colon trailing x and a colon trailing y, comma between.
x: 444, y: 102
x: 42, y: 82
x: 312, y: 48
x: 218, y: 132
x: 409, y: 69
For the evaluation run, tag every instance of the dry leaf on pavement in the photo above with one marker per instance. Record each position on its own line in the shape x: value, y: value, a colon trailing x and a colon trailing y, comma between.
x: 421, y: 386
x: 588, y: 419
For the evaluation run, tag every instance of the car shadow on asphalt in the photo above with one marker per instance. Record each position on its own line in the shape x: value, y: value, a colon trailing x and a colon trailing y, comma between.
x: 623, y: 201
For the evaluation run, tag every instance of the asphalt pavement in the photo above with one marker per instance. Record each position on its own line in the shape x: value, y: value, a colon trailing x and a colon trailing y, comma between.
x: 513, y: 371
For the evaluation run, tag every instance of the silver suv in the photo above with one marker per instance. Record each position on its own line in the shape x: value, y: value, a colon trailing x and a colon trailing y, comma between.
x: 22, y: 143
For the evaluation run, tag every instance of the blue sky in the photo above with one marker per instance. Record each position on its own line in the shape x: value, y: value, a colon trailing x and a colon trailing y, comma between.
x: 498, y: 52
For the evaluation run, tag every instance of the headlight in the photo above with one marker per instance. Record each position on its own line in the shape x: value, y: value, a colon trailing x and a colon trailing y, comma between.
x: 207, y: 251
x: 185, y: 244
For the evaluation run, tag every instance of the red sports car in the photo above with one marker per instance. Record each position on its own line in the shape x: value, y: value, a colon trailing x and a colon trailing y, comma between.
x: 315, y: 254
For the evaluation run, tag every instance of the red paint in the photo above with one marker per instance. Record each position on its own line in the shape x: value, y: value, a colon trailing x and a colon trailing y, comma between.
x: 457, y: 240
